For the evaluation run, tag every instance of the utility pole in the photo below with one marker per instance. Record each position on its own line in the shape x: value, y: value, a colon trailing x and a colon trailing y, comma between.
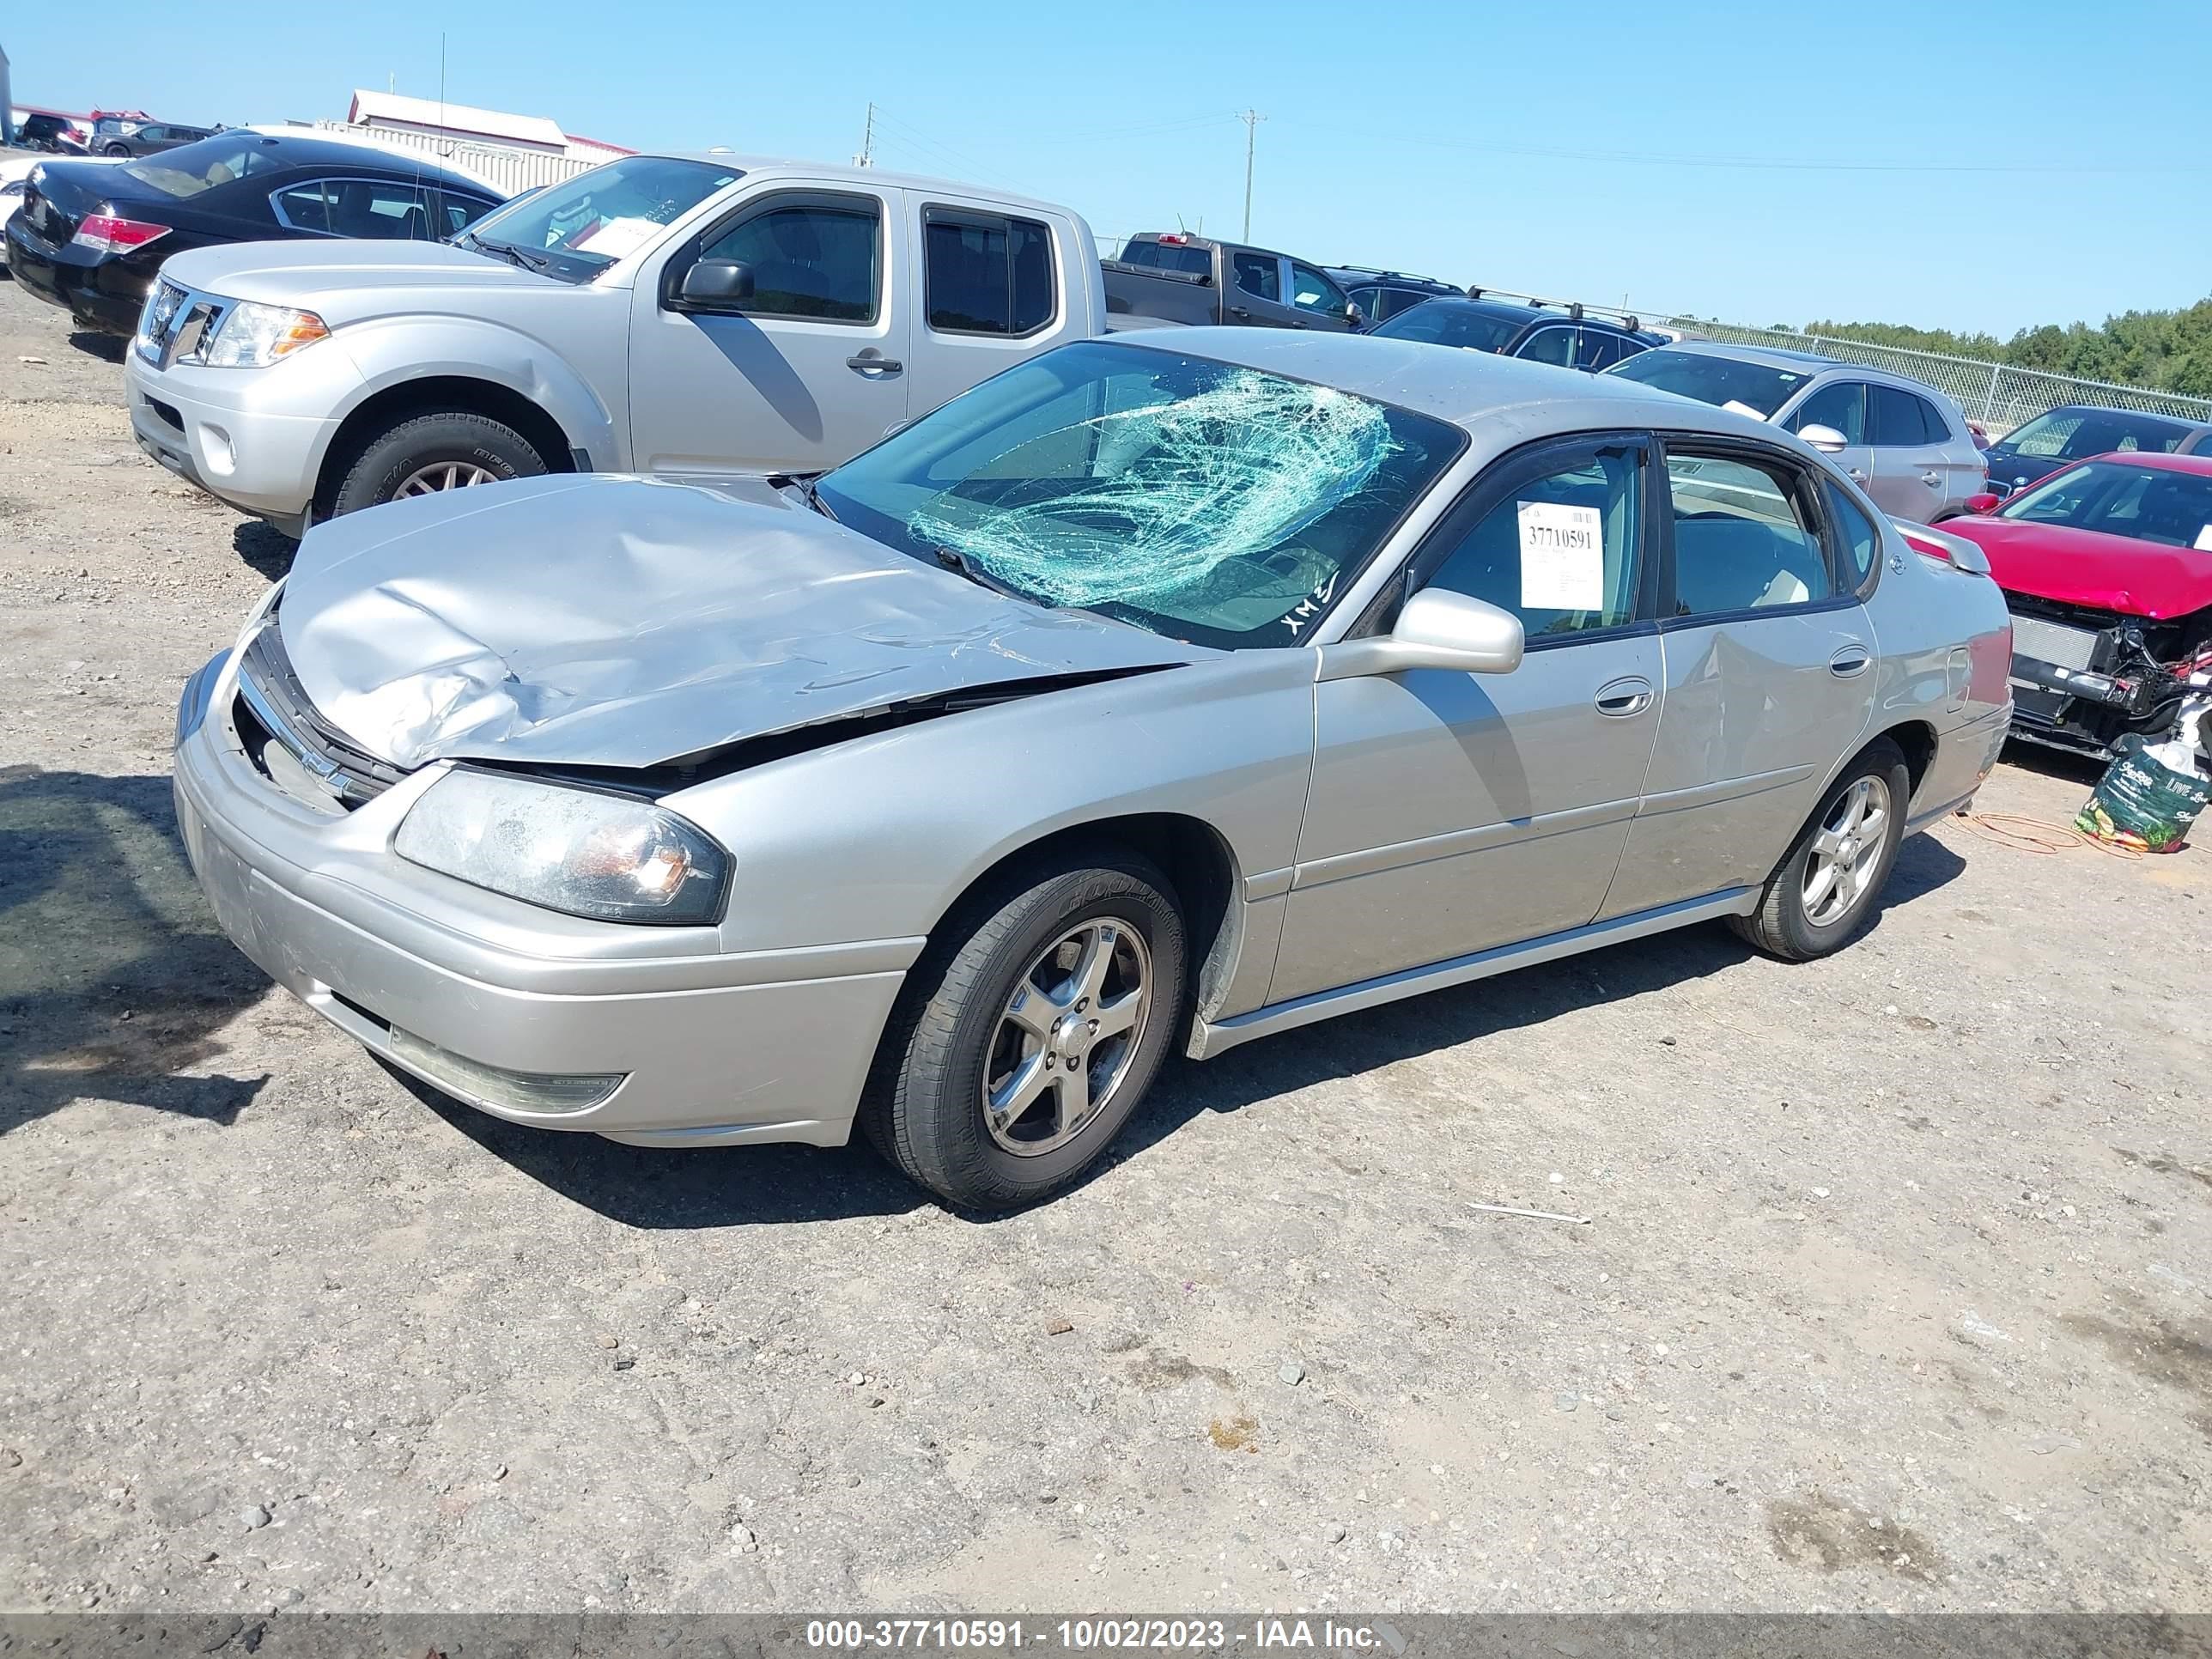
x: 867, y: 158
x: 1251, y: 118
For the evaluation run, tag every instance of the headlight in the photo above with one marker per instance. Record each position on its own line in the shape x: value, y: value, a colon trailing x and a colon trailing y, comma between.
x: 253, y: 336
x: 586, y: 853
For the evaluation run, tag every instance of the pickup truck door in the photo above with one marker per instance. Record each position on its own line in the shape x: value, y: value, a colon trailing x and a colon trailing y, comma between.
x: 810, y: 371
x: 996, y: 286
x: 1254, y: 289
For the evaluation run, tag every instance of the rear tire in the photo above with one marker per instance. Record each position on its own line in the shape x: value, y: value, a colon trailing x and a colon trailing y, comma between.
x: 430, y: 453
x: 1823, y: 894
x: 1081, y: 957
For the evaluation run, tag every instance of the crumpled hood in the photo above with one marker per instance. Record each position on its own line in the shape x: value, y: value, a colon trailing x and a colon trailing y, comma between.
x: 2089, y: 567
x: 586, y: 620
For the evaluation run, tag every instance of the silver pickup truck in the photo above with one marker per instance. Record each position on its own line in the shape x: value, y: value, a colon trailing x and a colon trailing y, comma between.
x: 695, y: 316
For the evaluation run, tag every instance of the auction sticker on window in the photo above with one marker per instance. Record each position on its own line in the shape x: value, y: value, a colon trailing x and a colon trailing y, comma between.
x: 1562, y: 558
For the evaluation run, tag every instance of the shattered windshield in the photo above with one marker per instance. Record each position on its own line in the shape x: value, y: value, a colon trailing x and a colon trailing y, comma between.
x: 1199, y: 500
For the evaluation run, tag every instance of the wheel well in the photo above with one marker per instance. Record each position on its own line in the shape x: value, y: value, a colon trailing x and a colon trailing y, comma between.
x: 438, y: 394
x: 1917, y: 738
x: 1194, y: 858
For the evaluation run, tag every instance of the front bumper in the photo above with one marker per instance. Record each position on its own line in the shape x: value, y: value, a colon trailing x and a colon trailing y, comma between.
x: 99, y: 294
x: 710, y: 1048
x: 215, y: 428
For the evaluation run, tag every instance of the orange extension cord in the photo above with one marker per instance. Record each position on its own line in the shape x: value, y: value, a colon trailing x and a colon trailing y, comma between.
x: 2036, y: 835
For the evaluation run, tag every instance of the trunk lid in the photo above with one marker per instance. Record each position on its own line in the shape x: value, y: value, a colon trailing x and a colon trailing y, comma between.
x: 2092, y: 569
x: 596, y: 621
x: 59, y: 194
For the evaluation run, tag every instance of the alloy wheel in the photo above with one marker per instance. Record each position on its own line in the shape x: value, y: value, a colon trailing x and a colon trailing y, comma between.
x: 1846, y: 852
x: 441, y: 476
x: 1065, y: 1039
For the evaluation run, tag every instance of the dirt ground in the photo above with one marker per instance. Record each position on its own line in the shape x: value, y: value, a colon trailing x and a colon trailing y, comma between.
x: 1894, y: 1295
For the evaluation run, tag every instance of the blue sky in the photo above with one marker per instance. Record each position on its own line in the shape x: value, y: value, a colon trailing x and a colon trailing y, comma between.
x: 1962, y: 166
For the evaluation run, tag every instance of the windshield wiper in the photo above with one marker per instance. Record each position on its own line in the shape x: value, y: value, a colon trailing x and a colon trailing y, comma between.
x: 952, y: 559
x: 507, y: 251
x: 805, y: 487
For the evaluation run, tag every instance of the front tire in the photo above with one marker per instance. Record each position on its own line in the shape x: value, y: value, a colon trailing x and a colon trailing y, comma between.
x: 1823, y: 894
x: 1030, y: 1030
x: 120, y: 152
x: 432, y: 453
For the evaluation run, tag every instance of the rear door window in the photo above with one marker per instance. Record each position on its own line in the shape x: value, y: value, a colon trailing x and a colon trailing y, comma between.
x: 982, y: 274
x: 1898, y: 418
x: 372, y: 208
x: 1311, y: 291
x: 1743, y: 539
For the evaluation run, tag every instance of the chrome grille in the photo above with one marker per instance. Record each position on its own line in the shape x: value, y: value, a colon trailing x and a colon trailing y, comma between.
x: 2052, y: 642
x: 273, y: 702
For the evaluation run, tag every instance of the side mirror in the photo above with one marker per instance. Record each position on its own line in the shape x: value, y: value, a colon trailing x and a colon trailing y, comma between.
x: 717, y: 285
x: 1437, y: 628
x: 1826, y: 439
x: 1984, y: 505
x: 1354, y: 315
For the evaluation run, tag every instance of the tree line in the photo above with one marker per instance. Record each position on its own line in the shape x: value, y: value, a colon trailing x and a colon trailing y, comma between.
x: 2163, y: 351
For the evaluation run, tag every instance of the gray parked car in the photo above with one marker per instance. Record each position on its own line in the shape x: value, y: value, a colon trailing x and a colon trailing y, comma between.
x: 1159, y: 694
x: 1903, y: 443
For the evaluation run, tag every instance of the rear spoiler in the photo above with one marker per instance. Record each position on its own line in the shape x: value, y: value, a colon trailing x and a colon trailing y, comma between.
x: 1931, y: 543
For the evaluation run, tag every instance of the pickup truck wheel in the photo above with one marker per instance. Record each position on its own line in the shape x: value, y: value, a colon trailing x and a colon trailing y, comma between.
x: 1824, y: 892
x: 1029, y: 1032
x: 430, y: 453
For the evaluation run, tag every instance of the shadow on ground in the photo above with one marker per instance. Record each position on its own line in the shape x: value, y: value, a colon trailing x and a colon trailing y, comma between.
x: 113, y: 976
x: 726, y: 1187
x: 108, y: 348
x: 262, y: 547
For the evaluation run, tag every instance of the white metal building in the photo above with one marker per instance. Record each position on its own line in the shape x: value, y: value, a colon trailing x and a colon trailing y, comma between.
x: 512, y: 153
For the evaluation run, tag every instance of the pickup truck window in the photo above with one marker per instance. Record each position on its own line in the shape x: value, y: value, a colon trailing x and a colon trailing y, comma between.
x: 821, y: 260
x: 1168, y: 256
x: 983, y: 274
x: 1311, y: 291
x: 1260, y: 275
x: 1198, y: 500
x: 591, y: 220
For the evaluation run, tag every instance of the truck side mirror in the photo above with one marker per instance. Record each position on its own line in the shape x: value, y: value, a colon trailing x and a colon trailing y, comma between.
x: 717, y: 285
x: 1354, y: 315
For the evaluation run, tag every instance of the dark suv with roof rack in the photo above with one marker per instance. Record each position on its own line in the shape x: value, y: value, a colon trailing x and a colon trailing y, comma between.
x: 1567, y: 336
x: 1381, y: 294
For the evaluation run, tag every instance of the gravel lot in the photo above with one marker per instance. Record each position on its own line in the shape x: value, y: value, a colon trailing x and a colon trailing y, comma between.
x: 1894, y: 1295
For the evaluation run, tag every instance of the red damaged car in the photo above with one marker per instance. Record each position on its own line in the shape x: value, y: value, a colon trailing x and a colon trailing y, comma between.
x: 2106, y: 566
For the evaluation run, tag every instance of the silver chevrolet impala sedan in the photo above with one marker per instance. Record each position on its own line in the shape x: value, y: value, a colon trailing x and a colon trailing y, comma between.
x: 1160, y: 693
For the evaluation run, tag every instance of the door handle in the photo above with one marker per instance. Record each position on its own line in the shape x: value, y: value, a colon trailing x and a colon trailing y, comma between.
x: 875, y: 360
x: 1931, y: 478
x: 1855, y: 476
x: 1239, y: 312
x: 1851, y: 661
x: 1622, y: 698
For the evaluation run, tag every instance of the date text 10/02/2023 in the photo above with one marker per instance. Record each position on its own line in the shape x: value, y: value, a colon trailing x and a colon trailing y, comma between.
x: 1083, y: 1635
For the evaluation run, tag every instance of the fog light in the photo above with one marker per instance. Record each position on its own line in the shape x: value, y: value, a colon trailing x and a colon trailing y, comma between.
x: 216, y: 452
x: 547, y: 1096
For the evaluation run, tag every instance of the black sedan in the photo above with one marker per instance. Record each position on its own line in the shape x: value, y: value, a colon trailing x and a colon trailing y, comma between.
x: 1543, y: 334
x: 2032, y: 452
x: 91, y: 234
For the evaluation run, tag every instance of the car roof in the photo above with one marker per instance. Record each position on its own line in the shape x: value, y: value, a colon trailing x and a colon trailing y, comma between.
x: 2157, y: 459
x: 1357, y: 275
x: 303, y: 151
x: 772, y: 166
x: 1447, y: 382
x: 2156, y: 417
x: 1784, y: 357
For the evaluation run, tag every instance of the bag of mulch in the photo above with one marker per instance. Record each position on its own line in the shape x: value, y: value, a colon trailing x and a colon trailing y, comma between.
x: 2149, y: 797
